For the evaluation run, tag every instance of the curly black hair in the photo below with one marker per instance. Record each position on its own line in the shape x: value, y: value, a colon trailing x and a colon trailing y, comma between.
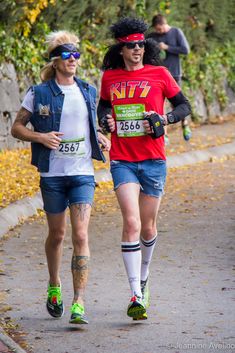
x: 124, y: 27
x: 128, y: 25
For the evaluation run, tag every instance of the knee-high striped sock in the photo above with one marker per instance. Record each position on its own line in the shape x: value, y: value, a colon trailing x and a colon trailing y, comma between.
x: 132, y: 260
x: 147, y: 247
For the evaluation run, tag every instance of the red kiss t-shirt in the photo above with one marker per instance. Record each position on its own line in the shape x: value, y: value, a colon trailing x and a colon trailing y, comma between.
x: 131, y: 93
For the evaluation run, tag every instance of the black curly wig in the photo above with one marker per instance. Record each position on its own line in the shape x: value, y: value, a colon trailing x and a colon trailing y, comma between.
x: 128, y: 25
x: 124, y: 27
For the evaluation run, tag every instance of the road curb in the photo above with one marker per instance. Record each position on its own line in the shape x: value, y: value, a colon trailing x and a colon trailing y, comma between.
x: 189, y: 158
x: 11, y: 215
x: 9, y: 343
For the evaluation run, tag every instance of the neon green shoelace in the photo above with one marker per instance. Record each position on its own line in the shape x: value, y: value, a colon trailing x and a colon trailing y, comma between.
x: 77, y: 308
x: 54, y: 292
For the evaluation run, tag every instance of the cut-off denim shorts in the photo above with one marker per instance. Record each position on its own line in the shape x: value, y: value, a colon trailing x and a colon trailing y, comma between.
x: 149, y: 174
x: 59, y: 192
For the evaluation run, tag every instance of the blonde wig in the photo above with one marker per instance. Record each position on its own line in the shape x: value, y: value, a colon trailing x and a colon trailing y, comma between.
x: 53, y: 40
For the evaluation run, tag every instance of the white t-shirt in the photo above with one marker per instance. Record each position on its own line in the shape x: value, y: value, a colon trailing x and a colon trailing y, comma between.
x: 73, y: 157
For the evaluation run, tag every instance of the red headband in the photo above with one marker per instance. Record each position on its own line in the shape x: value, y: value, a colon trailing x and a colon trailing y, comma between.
x: 131, y: 38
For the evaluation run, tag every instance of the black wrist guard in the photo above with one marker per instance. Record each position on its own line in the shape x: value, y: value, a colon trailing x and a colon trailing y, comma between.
x: 171, y: 118
x: 156, y: 122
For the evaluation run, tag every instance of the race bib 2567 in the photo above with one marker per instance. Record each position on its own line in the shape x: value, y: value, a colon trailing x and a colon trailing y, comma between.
x: 71, y: 148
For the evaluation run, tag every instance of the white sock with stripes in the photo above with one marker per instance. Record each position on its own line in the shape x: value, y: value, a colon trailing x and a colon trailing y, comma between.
x: 132, y: 260
x: 147, y: 247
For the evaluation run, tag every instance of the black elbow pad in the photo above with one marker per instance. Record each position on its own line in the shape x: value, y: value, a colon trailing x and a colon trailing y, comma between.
x: 181, y: 109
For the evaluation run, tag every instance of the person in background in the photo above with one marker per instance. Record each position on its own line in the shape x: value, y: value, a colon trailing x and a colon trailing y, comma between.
x: 64, y: 139
x: 173, y: 42
x: 134, y: 87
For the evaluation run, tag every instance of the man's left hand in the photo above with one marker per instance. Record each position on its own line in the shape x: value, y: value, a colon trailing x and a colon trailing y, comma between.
x: 146, y: 124
x: 153, y: 123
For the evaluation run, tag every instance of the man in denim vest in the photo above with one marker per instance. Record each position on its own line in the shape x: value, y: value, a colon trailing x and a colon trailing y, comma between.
x: 62, y: 111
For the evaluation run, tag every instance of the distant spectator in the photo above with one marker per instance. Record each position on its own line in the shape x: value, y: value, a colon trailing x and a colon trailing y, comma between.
x: 172, y: 41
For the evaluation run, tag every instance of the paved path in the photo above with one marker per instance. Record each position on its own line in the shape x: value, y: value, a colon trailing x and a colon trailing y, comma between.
x: 192, y: 289
x: 191, y: 277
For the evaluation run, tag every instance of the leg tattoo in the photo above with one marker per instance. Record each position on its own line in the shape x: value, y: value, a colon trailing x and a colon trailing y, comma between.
x: 82, y: 210
x: 80, y: 269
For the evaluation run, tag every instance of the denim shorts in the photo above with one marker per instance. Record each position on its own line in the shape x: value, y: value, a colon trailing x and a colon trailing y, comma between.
x: 59, y: 192
x: 150, y: 174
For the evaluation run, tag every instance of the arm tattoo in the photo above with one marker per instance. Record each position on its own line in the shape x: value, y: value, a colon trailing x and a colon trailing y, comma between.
x: 23, y: 116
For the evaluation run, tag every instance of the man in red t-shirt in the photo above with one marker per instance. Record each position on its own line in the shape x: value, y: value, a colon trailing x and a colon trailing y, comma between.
x: 131, y: 107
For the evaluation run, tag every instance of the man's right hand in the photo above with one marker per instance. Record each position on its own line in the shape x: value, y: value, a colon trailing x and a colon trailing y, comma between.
x: 51, y: 139
x: 163, y: 46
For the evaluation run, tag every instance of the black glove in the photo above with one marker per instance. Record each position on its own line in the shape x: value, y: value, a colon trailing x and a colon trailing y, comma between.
x: 156, y: 122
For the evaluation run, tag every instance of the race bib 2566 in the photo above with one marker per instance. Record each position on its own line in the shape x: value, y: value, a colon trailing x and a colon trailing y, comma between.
x: 129, y: 119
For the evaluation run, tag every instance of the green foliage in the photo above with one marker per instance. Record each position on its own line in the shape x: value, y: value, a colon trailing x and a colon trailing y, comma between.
x: 140, y: 8
x: 91, y: 60
x: 209, y: 74
x: 90, y: 19
x: 25, y: 46
x: 208, y: 25
x: 26, y: 54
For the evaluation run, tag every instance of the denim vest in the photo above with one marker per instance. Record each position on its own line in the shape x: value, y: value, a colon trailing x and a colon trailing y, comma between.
x: 48, y: 105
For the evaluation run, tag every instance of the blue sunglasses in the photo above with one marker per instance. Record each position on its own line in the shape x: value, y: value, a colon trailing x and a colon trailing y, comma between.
x: 67, y: 55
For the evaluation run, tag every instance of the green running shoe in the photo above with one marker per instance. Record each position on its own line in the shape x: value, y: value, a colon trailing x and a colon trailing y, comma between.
x: 142, y: 317
x: 55, y: 306
x: 187, y: 133
x: 78, y: 314
x: 136, y: 309
x: 145, y: 292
